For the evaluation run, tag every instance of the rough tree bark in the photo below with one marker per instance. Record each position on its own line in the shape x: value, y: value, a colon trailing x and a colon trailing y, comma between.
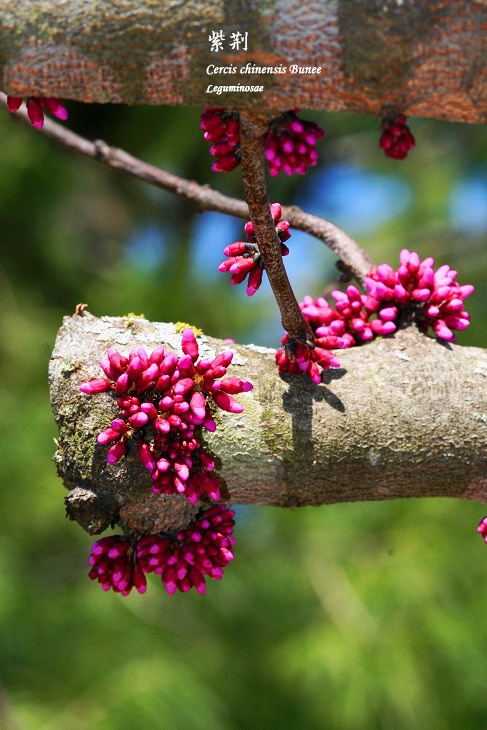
x: 404, y: 416
x: 427, y: 58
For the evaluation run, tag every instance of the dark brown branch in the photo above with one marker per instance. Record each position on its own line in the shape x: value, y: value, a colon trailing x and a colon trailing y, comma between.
x: 203, y: 196
x: 253, y: 131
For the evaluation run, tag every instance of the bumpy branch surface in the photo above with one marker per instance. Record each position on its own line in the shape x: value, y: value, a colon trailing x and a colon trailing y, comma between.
x: 427, y: 57
x: 404, y: 416
x: 348, y: 250
x: 252, y: 144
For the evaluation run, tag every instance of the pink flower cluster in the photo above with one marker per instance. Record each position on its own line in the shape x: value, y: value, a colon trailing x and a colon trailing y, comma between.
x: 203, y: 549
x: 348, y: 324
x: 114, y: 566
x: 308, y: 358
x: 35, y: 108
x: 396, y: 139
x: 223, y: 129
x: 245, y: 258
x: 290, y: 144
x: 482, y: 528
x: 352, y: 319
x: 415, y: 291
x: 162, y: 399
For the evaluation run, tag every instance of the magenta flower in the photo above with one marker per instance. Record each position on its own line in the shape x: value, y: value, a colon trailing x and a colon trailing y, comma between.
x: 415, y: 292
x: 162, y: 399
x: 223, y: 129
x: 244, y: 257
x: 299, y: 358
x: 35, y: 108
x: 352, y: 320
x: 396, y: 139
x: 309, y: 357
x: 203, y: 549
x: 114, y: 565
x: 349, y: 324
x: 290, y: 144
x: 482, y: 528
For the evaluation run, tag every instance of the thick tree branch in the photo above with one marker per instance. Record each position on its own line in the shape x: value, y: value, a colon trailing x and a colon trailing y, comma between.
x: 426, y: 57
x: 404, y: 416
x: 253, y: 132
x: 348, y: 250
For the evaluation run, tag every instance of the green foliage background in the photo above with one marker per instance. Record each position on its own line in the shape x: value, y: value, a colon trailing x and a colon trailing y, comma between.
x: 356, y: 616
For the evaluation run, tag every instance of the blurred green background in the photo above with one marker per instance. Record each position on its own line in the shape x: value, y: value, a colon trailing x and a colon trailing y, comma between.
x: 349, y: 616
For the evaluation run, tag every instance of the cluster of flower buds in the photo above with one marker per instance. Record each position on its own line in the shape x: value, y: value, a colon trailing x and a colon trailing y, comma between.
x: 35, y: 108
x: 308, y: 357
x: 290, y: 144
x: 415, y: 292
x: 162, y: 399
x: 352, y: 319
x: 223, y: 129
x: 245, y: 258
x: 203, y: 549
x: 114, y: 565
x: 482, y: 528
x: 396, y: 139
x: 348, y: 324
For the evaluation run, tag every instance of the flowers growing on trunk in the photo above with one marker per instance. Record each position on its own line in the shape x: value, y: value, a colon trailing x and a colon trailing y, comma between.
x: 201, y: 550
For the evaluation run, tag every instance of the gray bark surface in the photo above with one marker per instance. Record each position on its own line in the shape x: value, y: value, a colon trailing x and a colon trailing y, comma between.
x: 403, y: 416
x: 427, y: 58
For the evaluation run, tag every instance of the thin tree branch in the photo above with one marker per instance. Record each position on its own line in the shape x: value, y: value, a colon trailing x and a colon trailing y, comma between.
x: 349, y: 251
x: 253, y: 131
x: 203, y: 196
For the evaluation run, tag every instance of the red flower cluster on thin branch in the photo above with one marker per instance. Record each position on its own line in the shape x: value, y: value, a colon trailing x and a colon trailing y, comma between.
x: 290, y: 143
x: 35, y: 108
x: 244, y: 256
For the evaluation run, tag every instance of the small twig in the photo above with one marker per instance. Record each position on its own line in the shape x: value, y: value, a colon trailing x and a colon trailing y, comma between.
x: 353, y: 256
x: 253, y: 132
x: 203, y: 196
